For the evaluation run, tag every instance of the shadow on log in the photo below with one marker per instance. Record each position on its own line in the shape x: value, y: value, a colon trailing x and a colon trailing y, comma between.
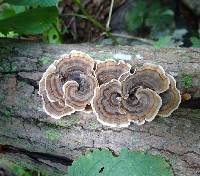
x: 29, y: 137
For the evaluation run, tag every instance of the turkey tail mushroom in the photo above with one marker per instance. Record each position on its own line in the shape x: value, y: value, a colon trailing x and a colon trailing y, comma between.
x: 79, y: 93
x: 56, y: 109
x: 141, y: 105
x: 106, y: 105
x: 110, y: 69
x: 140, y: 92
x: 148, y: 76
x: 68, y: 84
x: 171, y: 98
x: 76, y: 62
x: 76, y: 82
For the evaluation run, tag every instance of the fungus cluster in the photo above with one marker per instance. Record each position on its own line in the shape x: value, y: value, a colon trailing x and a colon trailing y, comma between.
x: 117, y: 93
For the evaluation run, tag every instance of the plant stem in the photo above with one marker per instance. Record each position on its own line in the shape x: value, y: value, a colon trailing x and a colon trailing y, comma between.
x: 151, y: 42
x: 96, y: 23
x: 109, y: 17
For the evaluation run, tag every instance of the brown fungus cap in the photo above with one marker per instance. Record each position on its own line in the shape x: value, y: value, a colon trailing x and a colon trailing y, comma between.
x: 56, y: 109
x: 53, y: 86
x: 142, y: 104
x: 50, y: 70
x: 110, y: 69
x: 72, y: 75
x: 76, y: 72
x: 75, y: 63
x: 79, y: 93
x: 148, y: 76
x: 171, y: 99
x: 124, y: 76
x: 106, y: 105
x: 50, y: 84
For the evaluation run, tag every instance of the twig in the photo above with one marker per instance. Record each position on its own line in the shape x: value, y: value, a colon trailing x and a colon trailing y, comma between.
x: 151, y: 42
x: 110, y: 14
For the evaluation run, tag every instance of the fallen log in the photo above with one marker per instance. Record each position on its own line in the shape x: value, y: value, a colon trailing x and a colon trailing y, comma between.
x: 29, y: 137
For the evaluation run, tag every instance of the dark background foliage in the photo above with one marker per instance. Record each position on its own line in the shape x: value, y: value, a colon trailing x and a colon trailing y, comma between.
x: 161, y: 23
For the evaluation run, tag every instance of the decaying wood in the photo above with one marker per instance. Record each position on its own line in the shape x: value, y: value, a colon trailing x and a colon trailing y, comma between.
x: 29, y: 137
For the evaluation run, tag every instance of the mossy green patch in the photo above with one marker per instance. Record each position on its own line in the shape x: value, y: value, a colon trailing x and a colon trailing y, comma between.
x: 60, y: 123
x: 6, y: 111
x: 38, y: 122
x: 5, y: 50
x: 21, y: 84
x: 93, y: 124
x: 73, y: 119
x: 196, y: 113
x: 5, y: 66
x: 186, y: 81
x: 52, y: 135
x: 19, y: 168
x: 101, y: 56
x: 23, y: 103
x: 2, y: 97
x: 13, y: 68
x: 45, y: 60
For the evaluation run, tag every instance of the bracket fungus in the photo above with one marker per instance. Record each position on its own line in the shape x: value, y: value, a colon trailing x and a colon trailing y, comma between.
x: 68, y: 84
x: 79, y: 93
x: 142, y: 105
x: 106, y: 105
x: 134, y: 97
x: 110, y: 89
x: 110, y: 69
x: 171, y: 99
x: 56, y: 109
x: 148, y: 76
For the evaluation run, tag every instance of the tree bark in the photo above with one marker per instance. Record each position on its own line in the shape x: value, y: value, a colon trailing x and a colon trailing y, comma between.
x: 29, y: 137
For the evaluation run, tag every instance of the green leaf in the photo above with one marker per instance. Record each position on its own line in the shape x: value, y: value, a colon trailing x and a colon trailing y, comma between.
x: 159, y: 19
x: 33, y: 2
x: 164, y: 42
x: 103, y: 163
x: 135, y: 17
x: 54, y: 36
x: 31, y: 22
x: 6, y: 13
x: 195, y: 42
x: 10, y: 10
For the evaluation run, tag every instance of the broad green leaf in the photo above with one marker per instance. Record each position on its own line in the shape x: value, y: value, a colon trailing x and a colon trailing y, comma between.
x: 18, y: 9
x: 195, y: 42
x: 10, y: 10
x: 6, y: 13
x: 33, y: 2
x: 103, y: 163
x: 31, y: 22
